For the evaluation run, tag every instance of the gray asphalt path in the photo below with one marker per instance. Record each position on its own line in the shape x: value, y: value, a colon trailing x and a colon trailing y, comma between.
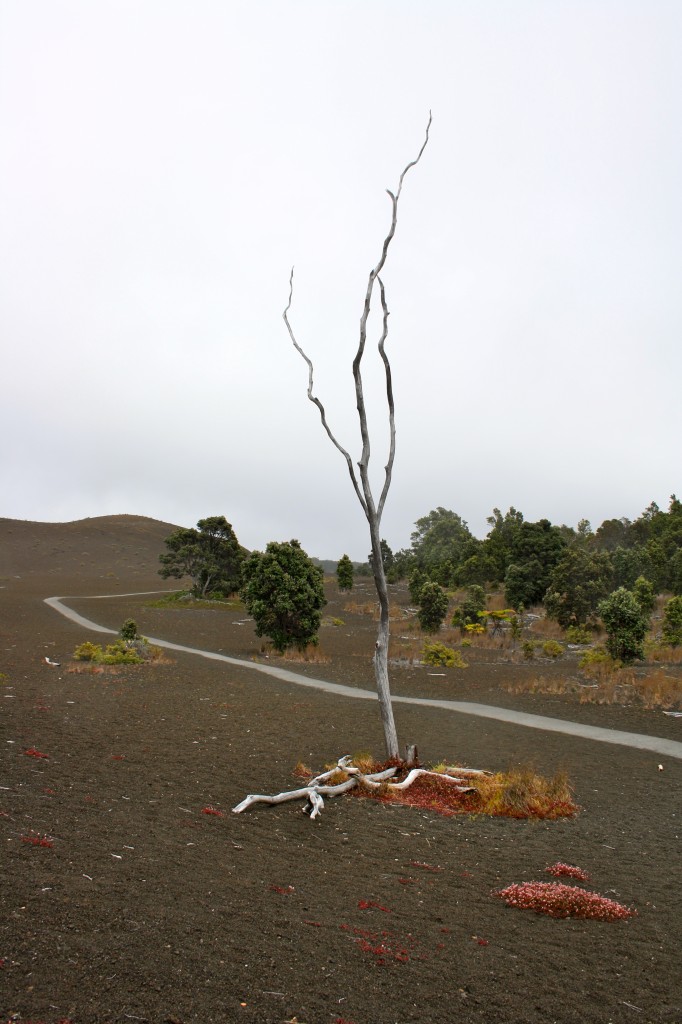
x: 657, y: 744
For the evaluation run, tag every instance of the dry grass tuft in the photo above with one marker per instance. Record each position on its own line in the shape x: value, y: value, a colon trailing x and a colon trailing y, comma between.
x: 540, y: 684
x: 311, y: 655
x: 612, y: 685
x: 521, y: 793
x: 364, y: 608
x: 543, y: 627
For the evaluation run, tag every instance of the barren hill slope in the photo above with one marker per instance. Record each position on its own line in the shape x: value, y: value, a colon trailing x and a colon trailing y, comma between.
x: 102, y: 547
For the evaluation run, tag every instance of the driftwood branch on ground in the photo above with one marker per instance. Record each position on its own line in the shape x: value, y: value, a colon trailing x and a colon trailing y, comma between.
x: 319, y: 787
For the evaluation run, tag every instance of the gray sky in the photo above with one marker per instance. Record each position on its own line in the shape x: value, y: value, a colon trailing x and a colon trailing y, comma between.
x: 164, y: 163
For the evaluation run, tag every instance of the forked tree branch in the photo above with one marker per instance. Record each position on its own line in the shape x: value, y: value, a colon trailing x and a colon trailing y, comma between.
x: 365, y: 497
x: 316, y: 401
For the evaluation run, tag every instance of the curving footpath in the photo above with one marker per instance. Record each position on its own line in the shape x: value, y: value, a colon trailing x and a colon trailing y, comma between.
x: 669, y: 748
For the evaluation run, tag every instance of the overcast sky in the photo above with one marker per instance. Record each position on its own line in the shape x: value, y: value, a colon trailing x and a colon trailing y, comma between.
x: 163, y: 164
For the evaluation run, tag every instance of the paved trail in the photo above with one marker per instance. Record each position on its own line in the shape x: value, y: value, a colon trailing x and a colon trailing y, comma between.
x: 669, y: 748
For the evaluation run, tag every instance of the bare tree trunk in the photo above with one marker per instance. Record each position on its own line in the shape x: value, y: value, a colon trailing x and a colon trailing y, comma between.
x: 381, y: 649
x: 362, y: 487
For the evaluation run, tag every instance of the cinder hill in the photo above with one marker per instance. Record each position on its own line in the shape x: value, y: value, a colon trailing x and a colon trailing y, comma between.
x: 101, y: 547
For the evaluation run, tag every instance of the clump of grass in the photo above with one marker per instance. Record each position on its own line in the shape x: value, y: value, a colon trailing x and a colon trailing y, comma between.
x: 310, y: 655
x: 544, y: 627
x: 558, y: 900
x: 522, y: 793
x: 358, y: 608
x: 518, y: 793
x: 185, y: 599
x: 540, y: 684
x: 662, y: 653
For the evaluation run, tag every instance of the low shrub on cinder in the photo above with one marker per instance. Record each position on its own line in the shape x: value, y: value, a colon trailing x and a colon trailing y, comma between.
x: 439, y: 654
x: 558, y: 900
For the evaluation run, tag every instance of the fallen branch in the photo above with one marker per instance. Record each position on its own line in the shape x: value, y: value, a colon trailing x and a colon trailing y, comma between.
x: 318, y: 787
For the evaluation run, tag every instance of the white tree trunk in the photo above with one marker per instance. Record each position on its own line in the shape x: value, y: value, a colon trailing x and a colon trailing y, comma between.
x: 362, y: 488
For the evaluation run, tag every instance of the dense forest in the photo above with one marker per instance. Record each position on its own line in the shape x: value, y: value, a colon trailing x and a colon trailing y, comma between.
x: 568, y: 570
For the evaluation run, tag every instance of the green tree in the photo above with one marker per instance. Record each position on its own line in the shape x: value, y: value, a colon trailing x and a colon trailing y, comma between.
x: 387, y: 558
x: 578, y: 582
x: 672, y: 622
x: 468, y: 612
x: 497, y: 546
x: 521, y: 584
x: 344, y: 573
x: 629, y: 564
x: 415, y: 583
x: 625, y: 624
x: 433, y: 606
x: 442, y: 537
x: 535, y: 550
x: 210, y: 556
x: 283, y: 591
x: 644, y: 592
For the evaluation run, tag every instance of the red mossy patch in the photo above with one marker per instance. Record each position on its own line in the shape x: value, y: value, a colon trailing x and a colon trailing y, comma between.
x: 213, y: 811
x: 384, y: 945
x: 34, y: 839
x: 32, y: 752
x: 560, y: 870
x: 558, y: 900
x: 518, y: 793
x: 372, y: 905
x: 424, y: 866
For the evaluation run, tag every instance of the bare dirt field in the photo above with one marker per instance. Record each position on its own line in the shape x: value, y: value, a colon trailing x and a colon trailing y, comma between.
x: 125, y: 896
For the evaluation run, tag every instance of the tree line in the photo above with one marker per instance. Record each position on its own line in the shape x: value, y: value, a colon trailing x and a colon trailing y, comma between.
x: 579, y: 575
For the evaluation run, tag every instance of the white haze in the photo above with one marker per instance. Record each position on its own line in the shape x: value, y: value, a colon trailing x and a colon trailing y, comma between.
x: 162, y: 166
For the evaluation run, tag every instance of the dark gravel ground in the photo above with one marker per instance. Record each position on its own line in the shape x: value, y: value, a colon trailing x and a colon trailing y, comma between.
x: 146, y: 908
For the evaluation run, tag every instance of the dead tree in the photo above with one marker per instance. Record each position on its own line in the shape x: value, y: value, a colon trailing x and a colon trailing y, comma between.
x: 317, y: 788
x: 373, y: 510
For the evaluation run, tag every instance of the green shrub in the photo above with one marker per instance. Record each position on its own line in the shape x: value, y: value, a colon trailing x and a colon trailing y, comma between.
x: 415, y: 583
x: 438, y: 654
x: 528, y: 648
x: 625, y: 624
x: 552, y: 649
x: 119, y: 654
x: 644, y: 592
x: 469, y: 611
x: 578, y: 635
x: 672, y: 622
x: 344, y: 573
x: 433, y: 605
x: 87, y: 652
x: 128, y: 630
x: 596, y: 657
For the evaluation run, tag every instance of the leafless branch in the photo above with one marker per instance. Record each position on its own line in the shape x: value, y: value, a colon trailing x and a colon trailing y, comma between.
x: 316, y: 401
